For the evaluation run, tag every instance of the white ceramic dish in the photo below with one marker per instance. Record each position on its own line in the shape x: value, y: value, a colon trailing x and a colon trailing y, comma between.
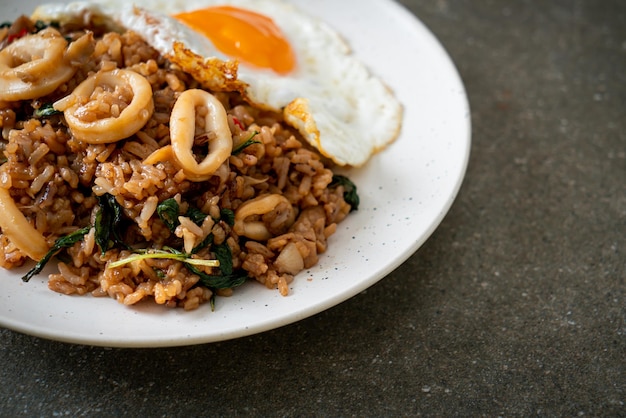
x: 405, y: 192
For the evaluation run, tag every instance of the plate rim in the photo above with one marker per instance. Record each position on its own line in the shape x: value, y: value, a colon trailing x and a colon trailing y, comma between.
x: 406, y: 253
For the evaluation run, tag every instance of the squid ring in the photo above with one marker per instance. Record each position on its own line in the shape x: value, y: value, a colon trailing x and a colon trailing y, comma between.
x: 114, y: 128
x: 258, y: 206
x: 182, y: 134
x: 17, y: 228
x: 33, y: 66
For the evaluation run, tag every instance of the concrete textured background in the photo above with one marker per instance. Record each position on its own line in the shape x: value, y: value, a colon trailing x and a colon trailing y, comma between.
x: 516, y: 306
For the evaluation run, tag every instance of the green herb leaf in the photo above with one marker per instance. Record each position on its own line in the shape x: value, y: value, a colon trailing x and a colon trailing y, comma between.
x: 225, y: 257
x: 168, y: 211
x: 41, y: 25
x: 62, y: 242
x: 172, y: 255
x: 246, y: 144
x: 108, y: 223
x: 228, y: 216
x: 349, y: 190
x: 205, y: 243
x: 45, y: 111
x: 118, y: 213
x: 196, y: 215
x: 218, y: 281
x: 102, y: 225
x: 228, y: 277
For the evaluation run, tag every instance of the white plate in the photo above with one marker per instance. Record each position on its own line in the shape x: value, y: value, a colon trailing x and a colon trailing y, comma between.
x: 405, y: 192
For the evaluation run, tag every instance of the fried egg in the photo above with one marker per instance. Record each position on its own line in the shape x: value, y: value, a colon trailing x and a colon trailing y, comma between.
x: 278, y: 57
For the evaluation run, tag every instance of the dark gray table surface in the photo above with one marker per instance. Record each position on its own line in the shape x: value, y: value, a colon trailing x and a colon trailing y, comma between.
x: 516, y: 304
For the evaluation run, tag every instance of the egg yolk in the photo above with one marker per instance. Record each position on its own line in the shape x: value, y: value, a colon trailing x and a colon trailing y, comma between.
x: 243, y: 34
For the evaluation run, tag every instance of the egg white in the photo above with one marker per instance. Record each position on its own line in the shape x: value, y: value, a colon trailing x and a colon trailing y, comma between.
x: 331, y: 98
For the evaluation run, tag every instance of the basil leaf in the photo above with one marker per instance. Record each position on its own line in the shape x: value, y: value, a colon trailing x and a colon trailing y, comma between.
x: 213, y: 281
x: 108, y: 223
x: 225, y: 257
x: 205, y: 243
x: 228, y: 216
x: 116, y: 227
x: 102, y: 225
x: 349, y: 190
x: 168, y: 212
x: 41, y: 25
x: 246, y: 143
x: 196, y: 215
x: 61, y: 242
x: 45, y: 111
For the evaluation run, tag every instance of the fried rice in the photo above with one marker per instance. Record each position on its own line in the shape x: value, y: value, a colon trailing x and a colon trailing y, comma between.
x: 119, y: 223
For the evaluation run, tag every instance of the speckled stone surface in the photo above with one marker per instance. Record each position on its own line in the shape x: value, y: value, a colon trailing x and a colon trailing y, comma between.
x: 516, y: 304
